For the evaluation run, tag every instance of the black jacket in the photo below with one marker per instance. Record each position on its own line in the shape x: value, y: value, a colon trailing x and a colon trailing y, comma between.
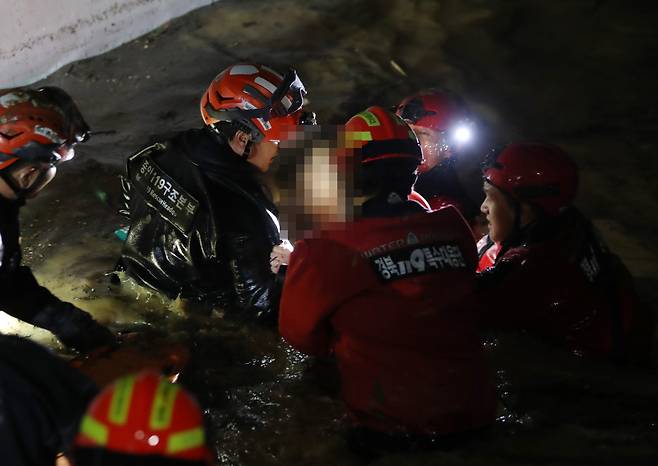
x: 201, y: 224
x: 22, y: 297
x: 41, y: 401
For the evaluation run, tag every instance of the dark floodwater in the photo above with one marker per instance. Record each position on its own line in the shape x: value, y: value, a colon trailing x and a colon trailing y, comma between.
x: 569, y: 72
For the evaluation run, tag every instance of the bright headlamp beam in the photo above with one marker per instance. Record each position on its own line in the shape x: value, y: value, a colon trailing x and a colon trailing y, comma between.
x: 463, y: 134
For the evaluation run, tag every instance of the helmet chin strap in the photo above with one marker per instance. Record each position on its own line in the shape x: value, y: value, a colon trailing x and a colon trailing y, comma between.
x: 247, y: 149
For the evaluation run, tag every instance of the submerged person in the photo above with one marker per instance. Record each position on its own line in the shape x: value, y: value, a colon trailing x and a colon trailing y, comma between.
x: 202, y: 224
x: 543, y: 266
x: 445, y: 130
x: 41, y: 402
x: 390, y: 295
x: 142, y: 419
x: 38, y: 130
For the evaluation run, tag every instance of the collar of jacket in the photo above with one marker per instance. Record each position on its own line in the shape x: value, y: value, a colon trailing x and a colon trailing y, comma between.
x: 219, y: 163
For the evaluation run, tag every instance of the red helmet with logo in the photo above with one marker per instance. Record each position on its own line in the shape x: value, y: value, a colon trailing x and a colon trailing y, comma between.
x: 262, y: 100
x: 379, y: 135
x: 142, y: 416
x: 38, y: 125
x: 540, y: 174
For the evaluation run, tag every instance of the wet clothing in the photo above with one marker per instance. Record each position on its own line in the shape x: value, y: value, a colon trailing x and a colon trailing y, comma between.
x: 202, y: 225
x: 391, y: 296
x: 41, y: 402
x: 22, y: 297
x: 558, y: 279
x: 441, y: 187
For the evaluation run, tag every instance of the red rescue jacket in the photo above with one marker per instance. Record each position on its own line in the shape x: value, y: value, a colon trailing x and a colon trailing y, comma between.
x: 392, y: 299
x: 559, y: 280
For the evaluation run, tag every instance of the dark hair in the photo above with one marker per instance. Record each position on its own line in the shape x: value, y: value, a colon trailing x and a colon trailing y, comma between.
x: 228, y: 129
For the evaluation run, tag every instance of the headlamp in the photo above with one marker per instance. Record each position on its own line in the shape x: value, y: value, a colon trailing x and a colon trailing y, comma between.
x: 463, y: 133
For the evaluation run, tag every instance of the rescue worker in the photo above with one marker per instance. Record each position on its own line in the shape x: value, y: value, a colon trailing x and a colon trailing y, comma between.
x: 202, y: 224
x: 38, y: 130
x: 41, y: 402
x: 390, y: 295
x: 445, y: 130
x: 543, y: 266
x: 142, y: 419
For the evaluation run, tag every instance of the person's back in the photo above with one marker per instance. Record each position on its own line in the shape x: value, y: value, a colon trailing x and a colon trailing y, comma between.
x: 391, y: 296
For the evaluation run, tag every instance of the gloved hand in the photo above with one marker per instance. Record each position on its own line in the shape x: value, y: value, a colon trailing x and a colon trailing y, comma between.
x: 74, y: 327
x: 280, y: 255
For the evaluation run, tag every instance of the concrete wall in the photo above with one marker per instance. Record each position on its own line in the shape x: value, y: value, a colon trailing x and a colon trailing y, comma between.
x: 39, y: 36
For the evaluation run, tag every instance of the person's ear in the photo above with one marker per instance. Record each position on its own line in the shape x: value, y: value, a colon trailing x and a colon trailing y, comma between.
x: 243, y: 138
x: 239, y: 142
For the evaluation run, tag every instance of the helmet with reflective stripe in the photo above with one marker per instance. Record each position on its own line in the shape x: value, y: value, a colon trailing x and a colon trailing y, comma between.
x: 142, y: 416
x: 379, y: 134
x: 541, y: 174
x: 38, y: 125
x: 266, y: 103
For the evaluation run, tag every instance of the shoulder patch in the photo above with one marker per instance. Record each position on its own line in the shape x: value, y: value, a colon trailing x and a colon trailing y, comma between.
x: 418, y: 260
x: 163, y: 193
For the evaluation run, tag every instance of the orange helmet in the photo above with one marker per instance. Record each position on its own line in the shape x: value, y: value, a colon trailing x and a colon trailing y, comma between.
x: 267, y: 104
x: 38, y: 125
x: 380, y: 134
x: 138, y: 418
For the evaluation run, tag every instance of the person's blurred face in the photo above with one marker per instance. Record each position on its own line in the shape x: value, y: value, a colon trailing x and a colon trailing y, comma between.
x: 263, y: 153
x: 431, y: 145
x: 499, y: 213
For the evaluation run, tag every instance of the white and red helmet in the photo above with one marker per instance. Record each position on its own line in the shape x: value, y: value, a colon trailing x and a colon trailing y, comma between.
x: 38, y: 125
x: 263, y: 101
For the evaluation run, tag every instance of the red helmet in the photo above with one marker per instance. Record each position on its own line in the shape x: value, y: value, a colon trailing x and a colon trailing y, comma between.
x: 258, y: 97
x: 139, y: 416
x: 380, y: 134
x: 541, y: 174
x: 442, y: 112
x: 435, y: 109
x: 39, y: 125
